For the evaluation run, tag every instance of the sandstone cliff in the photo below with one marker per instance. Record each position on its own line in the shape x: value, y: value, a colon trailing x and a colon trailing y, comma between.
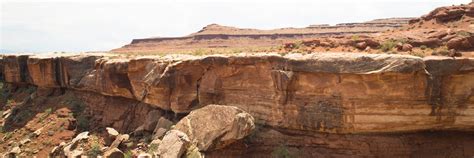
x: 336, y: 93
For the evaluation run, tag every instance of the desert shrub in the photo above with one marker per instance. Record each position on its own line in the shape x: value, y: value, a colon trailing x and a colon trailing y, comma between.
x: 30, y: 89
x: 463, y: 33
x: 76, y: 106
x: 401, y: 40
x: 21, y: 115
x: 94, y: 151
x: 7, y: 135
x: 355, y: 37
x: 4, y: 93
x: 388, y: 45
x: 128, y: 154
x: 47, y: 143
x: 152, y: 148
x: 281, y: 152
x: 82, y: 123
x: 199, y: 52
x: 45, y: 114
x: 10, y: 102
x: 147, y: 138
x: 441, y: 51
x: 418, y: 54
x: 192, y: 152
x: 253, y: 135
x: 423, y: 47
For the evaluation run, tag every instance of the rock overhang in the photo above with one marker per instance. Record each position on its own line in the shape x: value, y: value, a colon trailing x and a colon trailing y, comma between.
x: 301, y: 91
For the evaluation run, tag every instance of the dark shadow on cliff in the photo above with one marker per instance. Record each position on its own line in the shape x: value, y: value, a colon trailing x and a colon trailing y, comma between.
x: 267, y: 141
x: 23, y: 104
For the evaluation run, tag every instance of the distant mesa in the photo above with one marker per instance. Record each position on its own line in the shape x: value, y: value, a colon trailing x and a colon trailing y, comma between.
x: 215, y: 35
x: 446, y: 30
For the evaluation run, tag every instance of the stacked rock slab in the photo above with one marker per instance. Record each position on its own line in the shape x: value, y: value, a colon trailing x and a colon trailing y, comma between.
x: 336, y: 93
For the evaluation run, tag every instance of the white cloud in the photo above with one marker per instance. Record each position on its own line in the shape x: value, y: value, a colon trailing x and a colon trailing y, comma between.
x: 73, y: 25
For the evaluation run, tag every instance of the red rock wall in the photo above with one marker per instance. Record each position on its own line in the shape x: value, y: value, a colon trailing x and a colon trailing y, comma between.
x: 348, y: 93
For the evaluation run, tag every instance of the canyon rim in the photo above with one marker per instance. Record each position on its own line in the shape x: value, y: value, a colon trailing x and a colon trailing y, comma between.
x: 394, y: 87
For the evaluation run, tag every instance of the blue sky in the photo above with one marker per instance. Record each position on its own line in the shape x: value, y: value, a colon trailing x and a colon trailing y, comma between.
x: 92, y: 25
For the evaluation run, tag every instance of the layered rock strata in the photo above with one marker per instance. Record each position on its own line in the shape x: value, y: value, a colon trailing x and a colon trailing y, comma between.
x: 335, y: 93
x: 217, y: 36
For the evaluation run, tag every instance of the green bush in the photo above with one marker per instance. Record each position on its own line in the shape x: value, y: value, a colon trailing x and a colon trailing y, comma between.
x: 82, y: 123
x: 10, y: 102
x: 418, y: 54
x: 281, y: 152
x: 192, y: 152
x: 46, y: 113
x: 128, y: 154
x: 152, y: 148
x: 441, y: 51
x: 21, y: 115
x: 199, y: 52
x: 95, y: 150
x: 7, y: 135
x: 388, y: 45
x: 75, y: 105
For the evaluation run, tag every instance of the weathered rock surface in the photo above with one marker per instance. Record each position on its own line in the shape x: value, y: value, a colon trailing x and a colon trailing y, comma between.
x: 113, y: 153
x: 450, y: 13
x: 279, y: 142
x: 162, y: 126
x: 173, y: 145
x: 336, y: 93
x: 112, y: 135
x: 462, y: 42
x: 70, y: 149
x: 216, y: 126
x: 120, y: 138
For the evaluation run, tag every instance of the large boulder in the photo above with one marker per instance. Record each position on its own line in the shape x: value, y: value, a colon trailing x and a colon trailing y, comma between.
x: 216, y: 126
x: 461, y: 42
x: 430, y: 42
x: 162, y: 127
x: 112, y: 135
x: 173, y: 145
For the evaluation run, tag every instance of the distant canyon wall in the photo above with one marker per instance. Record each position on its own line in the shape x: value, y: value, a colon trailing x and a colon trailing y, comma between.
x: 217, y: 36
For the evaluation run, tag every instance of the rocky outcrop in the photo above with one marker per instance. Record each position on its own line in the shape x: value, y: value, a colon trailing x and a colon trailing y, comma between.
x: 174, y: 144
x: 464, y: 42
x: 336, y: 93
x: 216, y: 126
x: 446, y: 14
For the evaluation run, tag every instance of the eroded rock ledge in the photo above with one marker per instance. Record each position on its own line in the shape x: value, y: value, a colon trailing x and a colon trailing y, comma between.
x: 336, y: 93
